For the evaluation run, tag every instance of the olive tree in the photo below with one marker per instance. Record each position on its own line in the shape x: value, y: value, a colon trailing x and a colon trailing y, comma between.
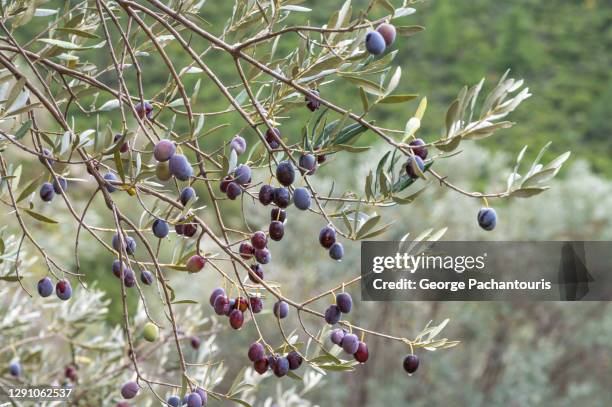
x: 145, y: 150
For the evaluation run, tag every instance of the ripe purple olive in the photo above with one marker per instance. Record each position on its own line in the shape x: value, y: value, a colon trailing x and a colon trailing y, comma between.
x: 216, y: 293
x: 261, y: 365
x: 195, y: 342
x: 203, y: 395
x: 337, y: 335
x: 263, y: 256
x: 241, y: 304
x: 117, y: 267
x: 256, y: 352
x: 321, y: 158
x: 129, y: 279
x: 418, y: 148
x: 308, y: 164
x: 246, y: 250
x: 336, y: 251
x: 63, y: 290
x: 259, y: 240
x: 15, y: 369
x: 411, y: 363
x: 327, y: 237
x: 174, y: 401
x: 487, y: 218
x: 46, y: 192
x: 146, y: 277
x: 195, y: 263
x: 273, y: 138
x: 410, y: 166
x: 312, y: 100
x: 190, y: 229
x: 332, y: 315
x: 180, y: 167
x: 120, y: 269
x: 164, y: 150
x: 242, y: 174
x: 129, y: 242
x: 256, y: 304
x: 179, y: 228
x: 301, y: 198
x: 221, y: 305
x: 280, y: 309
x: 238, y: 144
x: 295, y: 360
x: 147, y: 110
x: 112, y: 179
x: 71, y: 373
x: 129, y: 390
x: 374, y: 43
x: 344, y: 302
x: 224, y: 183
x: 362, y: 354
x: 233, y: 190
x: 280, y: 366
x: 388, y: 33
x: 194, y: 400
x: 59, y: 185
x: 266, y: 194
x: 45, y: 287
x: 282, y: 197
x: 258, y: 270
x: 124, y: 147
x: 277, y: 230
x: 278, y: 214
x: 285, y: 173
x: 130, y: 245
x: 236, y: 318
x: 350, y: 343
x: 187, y: 194
x: 160, y: 228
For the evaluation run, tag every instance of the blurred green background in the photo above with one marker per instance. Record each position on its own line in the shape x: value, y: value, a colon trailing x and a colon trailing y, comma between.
x: 512, y: 354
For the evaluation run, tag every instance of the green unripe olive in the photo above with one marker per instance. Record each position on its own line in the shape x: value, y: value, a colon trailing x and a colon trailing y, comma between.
x: 150, y: 332
x: 162, y: 171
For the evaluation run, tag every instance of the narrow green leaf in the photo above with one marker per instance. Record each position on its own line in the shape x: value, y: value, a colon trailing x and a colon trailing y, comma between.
x: 23, y: 130
x: 69, y: 46
x: 528, y: 192
x: 76, y: 32
x: 407, y: 31
x: 39, y: 216
x: 368, y: 186
x: 367, y: 85
x: 368, y: 225
x: 31, y: 187
x: 185, y: 302
x: 119, y: 164
x: 397, y: 98
x: 451, y: 115
x: 337, y: 368
x: 377, y: 232
x: 10, y: 279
